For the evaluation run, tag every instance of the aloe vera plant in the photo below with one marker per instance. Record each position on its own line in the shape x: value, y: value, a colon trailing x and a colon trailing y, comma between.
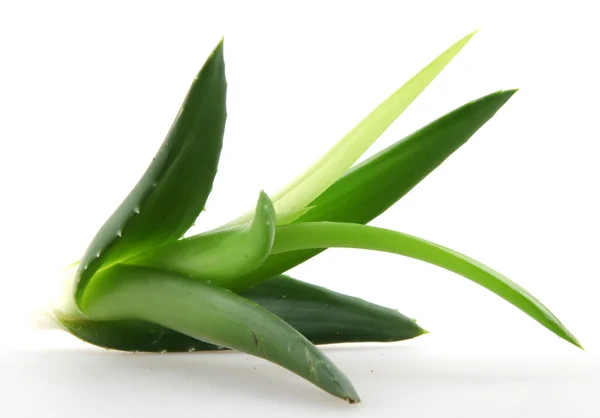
x: 140, y: 286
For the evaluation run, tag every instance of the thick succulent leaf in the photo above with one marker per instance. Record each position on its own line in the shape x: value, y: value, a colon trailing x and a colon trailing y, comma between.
x: 131, y: 335
x: 322, y: 174
x: 327, y: 317
x: 322, y: 316
x: 220, y: 255
x: 370, y: 188
x: 334, y: 234
x: 173, y: 190
x: 209, y: 313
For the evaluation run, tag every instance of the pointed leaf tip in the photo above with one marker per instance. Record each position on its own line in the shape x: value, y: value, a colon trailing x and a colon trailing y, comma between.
x: 173, y: 191
x: 312, y: 235
x: 220, y: 45
x: 317, y: 178
x: 210, y: 313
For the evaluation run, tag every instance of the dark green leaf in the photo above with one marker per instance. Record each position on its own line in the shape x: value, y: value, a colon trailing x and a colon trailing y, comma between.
x: 131, y: 335
x: 371, y: 187
x: 173, y: 190
x: 327, y: 317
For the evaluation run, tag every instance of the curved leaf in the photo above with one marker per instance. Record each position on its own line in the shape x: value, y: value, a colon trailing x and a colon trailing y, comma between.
x: 173, y: 190
x: 333, y: 234
x: 212, y: 314
x: 220, y: 255
x: 322, y: 316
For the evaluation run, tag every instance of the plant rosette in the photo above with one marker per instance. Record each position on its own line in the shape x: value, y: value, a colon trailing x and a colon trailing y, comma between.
x: 140, y: 286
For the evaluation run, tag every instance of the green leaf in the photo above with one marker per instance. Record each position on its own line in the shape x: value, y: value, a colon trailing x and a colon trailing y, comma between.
x: 322, y: 316
x: 370, y: 188
x: 322, y: 174
x: 210, y: 313
x: 173, y: 190
x: 327, y: 317
x: 333, y: 234
x: 220, y: 255
x: 131, y: 335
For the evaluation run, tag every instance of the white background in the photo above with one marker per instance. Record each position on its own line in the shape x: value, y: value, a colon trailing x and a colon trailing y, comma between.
x: 88, y: 92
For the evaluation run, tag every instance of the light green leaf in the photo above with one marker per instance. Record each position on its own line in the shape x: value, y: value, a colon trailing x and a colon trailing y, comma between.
x: 219, y: 255
x: 322, y: 174
x: 312, y: 235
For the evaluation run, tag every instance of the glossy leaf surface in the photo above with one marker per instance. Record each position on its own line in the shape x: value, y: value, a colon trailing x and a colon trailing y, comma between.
x: 173, y: 190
